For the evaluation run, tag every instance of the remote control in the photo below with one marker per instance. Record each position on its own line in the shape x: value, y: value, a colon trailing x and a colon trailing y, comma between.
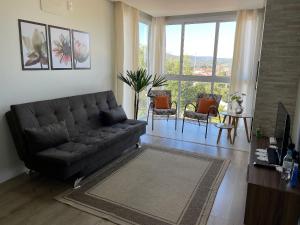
x: 267, y: 166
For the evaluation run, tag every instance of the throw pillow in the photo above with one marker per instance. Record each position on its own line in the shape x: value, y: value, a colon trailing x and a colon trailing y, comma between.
x: 113, y: 116
x: 204, y: 104
x: 41, y: 138
x: 162, y: 102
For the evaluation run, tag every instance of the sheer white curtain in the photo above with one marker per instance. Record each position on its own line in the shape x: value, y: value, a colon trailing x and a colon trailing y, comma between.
x: 126, y: 51
x: 157, y: 45
x: 246, y: 55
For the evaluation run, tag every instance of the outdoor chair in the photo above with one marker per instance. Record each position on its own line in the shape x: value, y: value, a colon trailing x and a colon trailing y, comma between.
x: 166, y: 111
x: 202, y: 117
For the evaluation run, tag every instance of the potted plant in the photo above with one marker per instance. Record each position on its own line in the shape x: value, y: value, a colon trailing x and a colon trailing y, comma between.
x: 139, y: 80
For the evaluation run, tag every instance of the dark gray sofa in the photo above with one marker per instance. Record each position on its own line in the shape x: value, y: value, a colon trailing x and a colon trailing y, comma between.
x: 91, y: 143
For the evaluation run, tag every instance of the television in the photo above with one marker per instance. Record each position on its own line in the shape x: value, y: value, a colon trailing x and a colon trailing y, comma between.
x: 282, y: 131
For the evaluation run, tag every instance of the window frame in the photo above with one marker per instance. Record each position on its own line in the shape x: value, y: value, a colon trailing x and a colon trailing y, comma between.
x: 216, y: 18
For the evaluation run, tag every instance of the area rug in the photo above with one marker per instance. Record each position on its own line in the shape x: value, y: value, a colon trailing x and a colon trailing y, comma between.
x: 152, y: 186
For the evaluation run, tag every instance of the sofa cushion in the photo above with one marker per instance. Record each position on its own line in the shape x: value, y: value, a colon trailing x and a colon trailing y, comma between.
x: 105, y: 136
x: 113, y: 116
x: 46, y: 137
x: 67, y: 153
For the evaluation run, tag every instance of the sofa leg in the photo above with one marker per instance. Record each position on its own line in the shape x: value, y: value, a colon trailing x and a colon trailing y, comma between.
x: 139, y: 144
x: 76, y: 184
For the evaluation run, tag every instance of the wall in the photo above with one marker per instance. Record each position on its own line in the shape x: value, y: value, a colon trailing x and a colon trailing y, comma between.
x: 17, y: 86
x: 280, y: 63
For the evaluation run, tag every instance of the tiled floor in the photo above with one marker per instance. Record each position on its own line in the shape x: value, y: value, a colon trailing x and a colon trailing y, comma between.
x: 196, y: 134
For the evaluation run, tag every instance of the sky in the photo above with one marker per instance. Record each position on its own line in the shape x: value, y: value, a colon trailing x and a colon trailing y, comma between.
x: 199, y: 39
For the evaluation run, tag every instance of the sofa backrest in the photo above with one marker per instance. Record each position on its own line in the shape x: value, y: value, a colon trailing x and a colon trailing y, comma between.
x: 79, y: 112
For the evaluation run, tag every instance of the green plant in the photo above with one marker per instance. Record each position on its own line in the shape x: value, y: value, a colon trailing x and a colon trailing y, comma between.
x: 139, y: 80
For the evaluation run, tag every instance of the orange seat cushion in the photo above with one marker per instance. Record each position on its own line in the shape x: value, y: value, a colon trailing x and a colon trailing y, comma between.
x: 162, y: 102
x: 204, y: 104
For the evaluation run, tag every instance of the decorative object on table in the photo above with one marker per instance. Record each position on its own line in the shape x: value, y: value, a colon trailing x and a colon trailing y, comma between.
x: 237, y: 98
x: 139, y: 80
x: 33, y: 45
x: 295, y: 173
x: 206, y: 107
x: 81, y: 50
x: 161, y: 105
x: 60, y: 48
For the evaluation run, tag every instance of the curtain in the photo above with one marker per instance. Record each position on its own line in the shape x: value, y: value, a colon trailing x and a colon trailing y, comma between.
x: 126, y: 51
x: 157, y: 46
x: 246, y: 55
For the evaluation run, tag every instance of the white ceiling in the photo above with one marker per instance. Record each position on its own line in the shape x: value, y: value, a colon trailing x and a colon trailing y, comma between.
x: 185, y: 7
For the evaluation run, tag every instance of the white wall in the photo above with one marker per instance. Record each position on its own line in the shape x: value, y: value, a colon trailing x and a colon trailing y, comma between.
x: 17, y: 86
x: 296, y: 125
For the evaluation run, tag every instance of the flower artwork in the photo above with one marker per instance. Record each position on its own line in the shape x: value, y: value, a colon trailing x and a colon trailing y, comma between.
x: 81, y: 50
x: 34, y: 45
x: 60, y: 48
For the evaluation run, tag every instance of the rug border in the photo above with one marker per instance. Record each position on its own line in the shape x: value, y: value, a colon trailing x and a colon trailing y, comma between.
x: 208, y: 205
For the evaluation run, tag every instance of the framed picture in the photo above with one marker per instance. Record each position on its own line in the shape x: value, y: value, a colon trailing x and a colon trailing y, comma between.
x: 81, y: 50
x: 60, y: 48
x: 33, y: 45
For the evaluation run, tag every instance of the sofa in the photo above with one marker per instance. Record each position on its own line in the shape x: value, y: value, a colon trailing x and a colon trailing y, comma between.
x: 72, y: 136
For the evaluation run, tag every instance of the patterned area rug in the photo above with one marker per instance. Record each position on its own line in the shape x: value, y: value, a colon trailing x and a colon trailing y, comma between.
x: 152, y: 186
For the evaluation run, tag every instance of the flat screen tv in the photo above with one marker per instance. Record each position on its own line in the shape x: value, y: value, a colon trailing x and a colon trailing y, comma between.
x: 282, y: 131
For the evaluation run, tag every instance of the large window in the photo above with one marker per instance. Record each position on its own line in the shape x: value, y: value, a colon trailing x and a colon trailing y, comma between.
x: 144, y: 32
x: 199, y: 59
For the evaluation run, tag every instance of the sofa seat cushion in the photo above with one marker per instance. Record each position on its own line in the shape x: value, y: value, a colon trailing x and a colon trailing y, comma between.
x: 66, y: 154
x: 90, y: 142
x: 106, y: 136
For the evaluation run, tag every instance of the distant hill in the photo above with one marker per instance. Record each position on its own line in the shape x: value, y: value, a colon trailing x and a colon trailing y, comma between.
x: 202, y: 60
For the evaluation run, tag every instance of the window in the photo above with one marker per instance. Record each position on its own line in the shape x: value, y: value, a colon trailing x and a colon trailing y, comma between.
x: 143, y: 45
x: 199, y: 58
x: 199, y: 41
x: 173, y: 35
x: 144, y: 32
x: 225, y: 49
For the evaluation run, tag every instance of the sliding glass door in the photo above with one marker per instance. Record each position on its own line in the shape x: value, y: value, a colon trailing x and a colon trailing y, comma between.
x: 199, y: 59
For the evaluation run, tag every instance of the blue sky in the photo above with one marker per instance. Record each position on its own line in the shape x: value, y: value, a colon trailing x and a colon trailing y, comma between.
x: 199, y: 39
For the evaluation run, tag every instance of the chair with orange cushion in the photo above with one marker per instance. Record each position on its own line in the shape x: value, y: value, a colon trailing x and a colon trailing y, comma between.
x: 161, y: 104
x: 206, y: 107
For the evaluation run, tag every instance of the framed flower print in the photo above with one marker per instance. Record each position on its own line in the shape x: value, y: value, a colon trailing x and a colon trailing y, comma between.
x: 81, y: 50
x: 60, y: 48
x: 33, y: 45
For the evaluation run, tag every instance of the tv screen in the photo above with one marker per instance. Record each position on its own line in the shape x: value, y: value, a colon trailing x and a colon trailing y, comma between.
x: 282, y: 131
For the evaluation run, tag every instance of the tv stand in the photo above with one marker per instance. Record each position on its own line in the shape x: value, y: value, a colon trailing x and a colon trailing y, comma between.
x: 270, y: 200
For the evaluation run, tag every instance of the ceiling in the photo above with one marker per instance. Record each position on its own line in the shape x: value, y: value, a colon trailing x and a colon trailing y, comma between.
x: 185, y: 7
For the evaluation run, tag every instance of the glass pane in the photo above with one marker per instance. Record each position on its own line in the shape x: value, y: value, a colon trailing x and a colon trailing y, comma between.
x: 173, y: 43
x: 199, y: 49
x: 143, y: 105
x: 189, y: 92
x: 173, y: 86
x: 143, y: 45
x: 225, y: 48
x: 222, y: 89
x: 143, y: 63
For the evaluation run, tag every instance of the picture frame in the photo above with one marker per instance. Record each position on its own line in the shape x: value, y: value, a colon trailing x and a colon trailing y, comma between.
x: 33, y: 39
x: 81, y: 50
x: 60, y: 48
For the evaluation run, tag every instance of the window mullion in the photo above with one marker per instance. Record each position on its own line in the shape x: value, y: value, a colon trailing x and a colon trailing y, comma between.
x: 215, y: 56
